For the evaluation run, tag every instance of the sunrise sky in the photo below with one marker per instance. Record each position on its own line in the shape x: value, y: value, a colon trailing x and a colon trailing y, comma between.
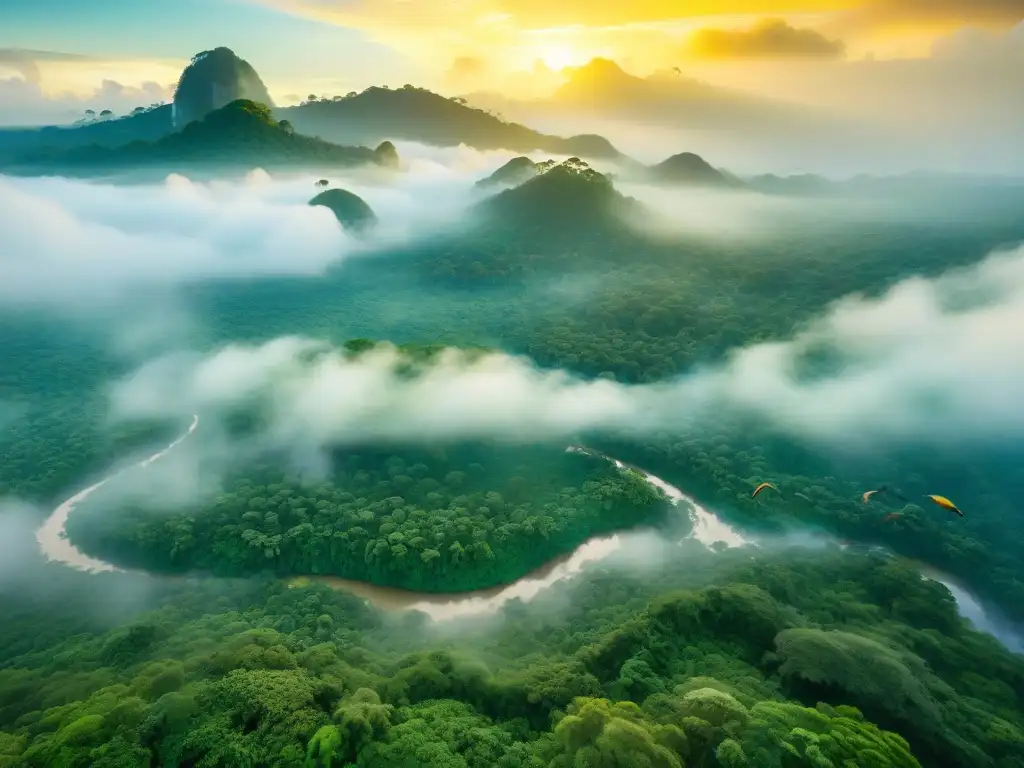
x: 64, y: 53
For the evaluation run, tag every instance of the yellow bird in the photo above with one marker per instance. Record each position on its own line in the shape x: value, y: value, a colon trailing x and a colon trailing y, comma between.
x: 761, y: 487
x: 945, y: 503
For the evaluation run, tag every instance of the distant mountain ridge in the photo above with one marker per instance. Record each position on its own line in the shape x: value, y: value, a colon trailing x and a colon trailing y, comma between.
x: 417, y: 114
x: 241, y: 133
x: 368, y: 118
x: 690, y: 169
x: 602, y: 88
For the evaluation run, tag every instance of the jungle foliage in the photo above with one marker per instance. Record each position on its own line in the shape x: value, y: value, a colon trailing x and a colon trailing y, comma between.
x: 809, y: 660
x: 701, y: 659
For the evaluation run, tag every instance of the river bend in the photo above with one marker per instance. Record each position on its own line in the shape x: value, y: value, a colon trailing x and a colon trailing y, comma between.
x: 707, y: 528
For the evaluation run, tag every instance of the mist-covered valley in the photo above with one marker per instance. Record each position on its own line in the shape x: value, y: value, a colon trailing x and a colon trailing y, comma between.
x: 326, y: 400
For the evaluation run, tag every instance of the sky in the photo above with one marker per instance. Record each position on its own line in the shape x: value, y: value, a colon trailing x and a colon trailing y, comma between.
x: 62, y: 56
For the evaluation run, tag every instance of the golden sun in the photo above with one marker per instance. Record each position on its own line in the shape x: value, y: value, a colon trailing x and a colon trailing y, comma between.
x: 558, y: 57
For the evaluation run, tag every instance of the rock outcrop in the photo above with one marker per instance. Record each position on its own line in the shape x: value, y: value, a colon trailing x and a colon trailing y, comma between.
x: 387, y: 155
x: 351, y: 211
x: 212, y: 80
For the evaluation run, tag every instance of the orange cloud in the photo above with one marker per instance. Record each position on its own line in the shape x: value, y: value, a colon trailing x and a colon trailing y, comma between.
x: 768, y: 39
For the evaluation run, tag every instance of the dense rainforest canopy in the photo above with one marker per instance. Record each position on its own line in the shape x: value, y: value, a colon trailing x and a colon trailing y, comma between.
x: 670, y: 656
x: 450, y: 518
x: 800, y: 660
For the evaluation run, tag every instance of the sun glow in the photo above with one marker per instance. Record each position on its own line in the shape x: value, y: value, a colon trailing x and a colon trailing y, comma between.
x: 558, y: 57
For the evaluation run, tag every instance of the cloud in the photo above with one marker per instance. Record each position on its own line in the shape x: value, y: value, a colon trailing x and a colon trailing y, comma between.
x: 518, y: 28
x: 28, y: 95
x: 26, y: 61
x: 74, y: 244
x: 768, y: 39
x: 928, y: 362
x: 65, y: 242
x: 948, y: 13
x: 17, y: 542
x: 976, y: 45
x: 544, y: 13
x: 541, y: 13
x: 388, y: 16
x: 24, y: 102
x: 650, y: 34
x: 465, y: 71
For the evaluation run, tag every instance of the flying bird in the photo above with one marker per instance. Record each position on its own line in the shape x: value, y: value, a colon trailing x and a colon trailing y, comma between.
x: 945, y: 503
x: 761, y: 487
x: 884, y: 489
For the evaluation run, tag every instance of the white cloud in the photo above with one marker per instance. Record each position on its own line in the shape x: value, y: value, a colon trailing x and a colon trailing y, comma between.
x: 931, y: 360
x: 317, y: 394
x: 978, y: 44
x: 24, y: 102
x: 17, y: 544
x: 70, y: 243
x: 928, y: 360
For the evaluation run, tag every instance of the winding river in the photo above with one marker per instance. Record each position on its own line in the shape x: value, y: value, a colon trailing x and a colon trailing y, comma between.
x: 707, y: 529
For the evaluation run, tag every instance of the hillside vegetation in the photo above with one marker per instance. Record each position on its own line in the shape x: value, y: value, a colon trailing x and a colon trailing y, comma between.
x: 243, y: 133
x: 798, y: 663
x: 416, y: 114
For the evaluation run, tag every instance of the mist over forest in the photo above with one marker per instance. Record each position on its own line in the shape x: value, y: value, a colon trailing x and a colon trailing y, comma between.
x: 381, y: 430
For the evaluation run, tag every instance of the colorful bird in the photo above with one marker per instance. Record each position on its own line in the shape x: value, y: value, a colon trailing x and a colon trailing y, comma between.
x: 945, y: 503
x: 761, y: 487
